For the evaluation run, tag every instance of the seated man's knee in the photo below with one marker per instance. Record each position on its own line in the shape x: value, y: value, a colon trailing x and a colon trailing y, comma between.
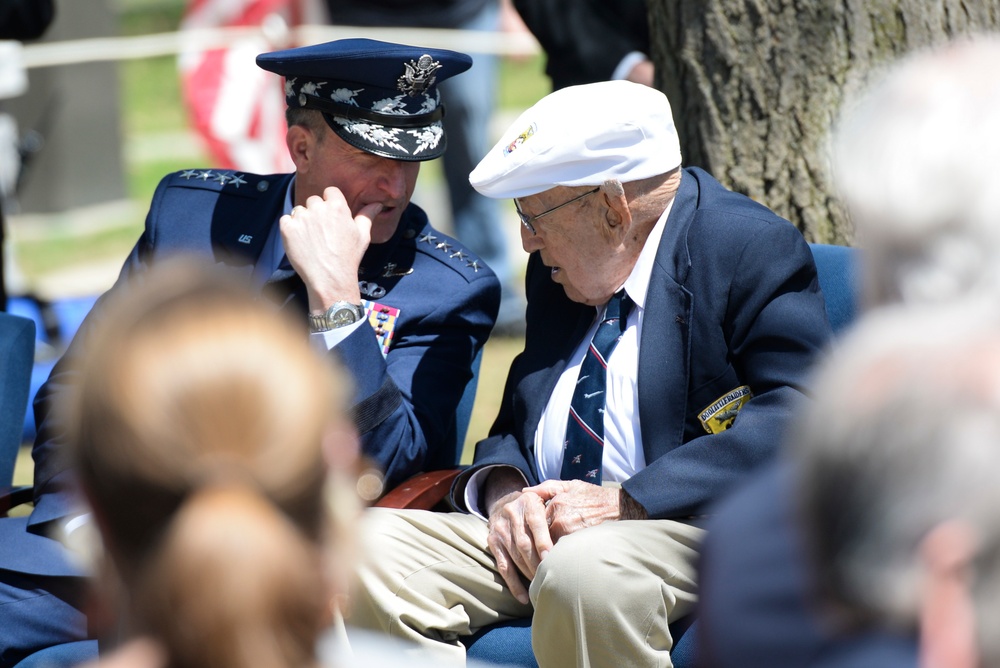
x: 570, y: 574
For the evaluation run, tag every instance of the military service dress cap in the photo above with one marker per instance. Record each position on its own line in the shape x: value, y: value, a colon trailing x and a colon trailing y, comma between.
x: 582, y: 136
x: 377, y: 96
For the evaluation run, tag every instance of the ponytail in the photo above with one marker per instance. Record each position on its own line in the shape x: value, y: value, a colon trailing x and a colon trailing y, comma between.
x: 233, y: 585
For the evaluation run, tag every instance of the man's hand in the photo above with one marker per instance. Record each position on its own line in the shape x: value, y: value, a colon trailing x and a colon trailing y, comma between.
x: 644, y: 73
x: 325, y: 244
x: 571, y: 505
x: 518, y: 532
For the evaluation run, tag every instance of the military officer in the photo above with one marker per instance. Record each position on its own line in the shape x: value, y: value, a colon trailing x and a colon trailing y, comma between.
x: 338, y: 244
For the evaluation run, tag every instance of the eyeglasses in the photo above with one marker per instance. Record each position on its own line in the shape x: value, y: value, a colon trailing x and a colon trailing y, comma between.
x: 528, y: 221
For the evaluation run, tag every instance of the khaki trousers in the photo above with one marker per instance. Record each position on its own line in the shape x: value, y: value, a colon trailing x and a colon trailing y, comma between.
x: 602, y: 597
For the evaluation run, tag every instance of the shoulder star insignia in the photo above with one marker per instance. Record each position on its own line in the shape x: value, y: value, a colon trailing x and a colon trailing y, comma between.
x: 221, y: 178
x: 474, y: 264
x: 459, y: 255
x: 188, y: 174
x: 443, y: 246
x: 236, y: 180
x: 206, y: 175
x: 429, y: 238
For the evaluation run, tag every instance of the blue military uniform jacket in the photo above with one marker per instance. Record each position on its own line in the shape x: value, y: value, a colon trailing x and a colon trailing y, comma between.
x: 733, y: 302
x: 405, y: 400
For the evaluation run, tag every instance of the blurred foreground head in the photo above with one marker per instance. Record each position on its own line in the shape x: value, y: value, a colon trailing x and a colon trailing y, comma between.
x: 916, y: 163
x: 900, y: 457
x: 207, y: 436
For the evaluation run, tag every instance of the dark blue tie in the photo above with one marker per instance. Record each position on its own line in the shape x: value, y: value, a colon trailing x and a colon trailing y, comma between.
x: 584, y: 449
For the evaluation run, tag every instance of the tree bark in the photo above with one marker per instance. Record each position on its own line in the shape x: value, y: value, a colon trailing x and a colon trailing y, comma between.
x: 756, y: 85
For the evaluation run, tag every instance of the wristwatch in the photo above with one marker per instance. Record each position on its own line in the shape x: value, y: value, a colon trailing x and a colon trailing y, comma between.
x: 340, y: 314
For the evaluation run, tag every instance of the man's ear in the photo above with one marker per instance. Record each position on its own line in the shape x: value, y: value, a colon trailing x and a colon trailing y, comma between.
x: 947, y: 616
x: 300, y: 142
x: 618, y: 211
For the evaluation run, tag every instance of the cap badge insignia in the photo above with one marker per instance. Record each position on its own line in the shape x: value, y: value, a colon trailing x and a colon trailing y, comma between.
x: 520, y: 139
x: 419, y: 75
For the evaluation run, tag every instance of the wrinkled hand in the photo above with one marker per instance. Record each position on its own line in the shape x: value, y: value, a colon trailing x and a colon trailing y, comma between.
x: 571, y: 505
x: 518, y: 538
x: 325, y: 244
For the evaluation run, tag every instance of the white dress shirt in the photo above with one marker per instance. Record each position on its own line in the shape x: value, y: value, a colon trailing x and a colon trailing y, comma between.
x: 623, y: 453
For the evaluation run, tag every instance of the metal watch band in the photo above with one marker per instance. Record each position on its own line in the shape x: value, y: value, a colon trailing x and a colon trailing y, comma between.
x: 341, y: 314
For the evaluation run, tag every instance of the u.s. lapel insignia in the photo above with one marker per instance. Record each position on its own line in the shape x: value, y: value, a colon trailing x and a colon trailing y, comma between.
x: 383, y: 320
x: 720, y: 414
x: 391, y: 270
x: 419, y: 75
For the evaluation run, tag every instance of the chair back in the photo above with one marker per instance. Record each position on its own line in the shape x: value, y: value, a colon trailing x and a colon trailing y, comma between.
x: 17, y: 355
x: 837, y: 267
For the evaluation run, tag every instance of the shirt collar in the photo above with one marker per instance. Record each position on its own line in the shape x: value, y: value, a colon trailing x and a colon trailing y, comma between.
x: 637, y: 282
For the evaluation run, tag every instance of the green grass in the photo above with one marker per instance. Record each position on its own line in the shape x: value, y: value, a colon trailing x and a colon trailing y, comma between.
x: 58, y: 251
x: 151, y: 96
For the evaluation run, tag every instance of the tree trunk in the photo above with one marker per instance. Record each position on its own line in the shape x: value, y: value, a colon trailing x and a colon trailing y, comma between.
x: 757, y: 84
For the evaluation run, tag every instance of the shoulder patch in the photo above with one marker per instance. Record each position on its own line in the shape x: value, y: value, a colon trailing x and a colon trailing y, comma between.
x: 450, y: 252
x: 721, y: 413
x: 221, y: 180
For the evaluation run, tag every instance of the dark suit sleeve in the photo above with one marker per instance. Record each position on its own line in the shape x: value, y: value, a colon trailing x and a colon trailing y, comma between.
x: 771, y: 322
x: 405, y: 403
x: 585, y: 40
x: 53, y: 484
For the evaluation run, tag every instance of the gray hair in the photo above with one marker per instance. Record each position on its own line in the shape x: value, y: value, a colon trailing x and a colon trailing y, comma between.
x: 903, y: 435
x: 916, y: 162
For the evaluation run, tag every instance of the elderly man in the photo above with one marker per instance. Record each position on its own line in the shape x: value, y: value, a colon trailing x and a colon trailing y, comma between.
x: 585, y: 499
x: 900, y: 487
x: 923, y: 246
x: 339, y: 246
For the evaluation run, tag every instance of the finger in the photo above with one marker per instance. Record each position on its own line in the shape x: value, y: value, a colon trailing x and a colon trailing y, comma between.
x: 547, y: 489
x: 511, y: 576
x: 497, y: 546
x: 523, y: 551
x: 536, y: 519
x: 368, y: 212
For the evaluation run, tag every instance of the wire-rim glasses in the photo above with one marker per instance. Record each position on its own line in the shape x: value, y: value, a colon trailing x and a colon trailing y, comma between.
x: 528, y: 221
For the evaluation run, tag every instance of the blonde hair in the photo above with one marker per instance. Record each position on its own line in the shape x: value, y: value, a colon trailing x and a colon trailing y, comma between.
x: 198, y: 427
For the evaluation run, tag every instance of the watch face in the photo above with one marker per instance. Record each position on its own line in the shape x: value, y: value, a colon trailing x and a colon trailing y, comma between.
x: 343, y: 316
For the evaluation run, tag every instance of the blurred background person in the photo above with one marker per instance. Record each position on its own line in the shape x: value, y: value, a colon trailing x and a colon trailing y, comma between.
x: 586, y: 41
x: 913, y: 162
x: 471, y: 102
x: 214, y: 451
x: 19, y: 20
x: 900, y: 485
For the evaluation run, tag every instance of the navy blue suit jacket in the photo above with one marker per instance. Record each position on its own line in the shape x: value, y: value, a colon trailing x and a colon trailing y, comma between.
x: 404, y: 403
x: 757, y: 607
x: 733, y: 300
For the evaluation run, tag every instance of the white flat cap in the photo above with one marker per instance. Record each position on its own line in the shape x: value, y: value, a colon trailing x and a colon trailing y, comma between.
x: 582, y: 136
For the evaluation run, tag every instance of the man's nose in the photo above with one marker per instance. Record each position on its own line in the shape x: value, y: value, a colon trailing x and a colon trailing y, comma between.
x: 530, y: 242
x: 392, y: 178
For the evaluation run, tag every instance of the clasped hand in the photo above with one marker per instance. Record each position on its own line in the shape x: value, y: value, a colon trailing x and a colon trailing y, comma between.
x: 525, y: 524
x: 325, y: 243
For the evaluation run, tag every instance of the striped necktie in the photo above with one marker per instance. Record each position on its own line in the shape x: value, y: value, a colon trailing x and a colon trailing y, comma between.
x: 584, y: 446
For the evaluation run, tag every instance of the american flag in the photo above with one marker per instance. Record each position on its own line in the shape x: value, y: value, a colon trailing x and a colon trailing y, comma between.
x: 236, y: 107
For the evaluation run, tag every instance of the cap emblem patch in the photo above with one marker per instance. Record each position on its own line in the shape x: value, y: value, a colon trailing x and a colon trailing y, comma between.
x: 419, y: 75
x: 520, y: 139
